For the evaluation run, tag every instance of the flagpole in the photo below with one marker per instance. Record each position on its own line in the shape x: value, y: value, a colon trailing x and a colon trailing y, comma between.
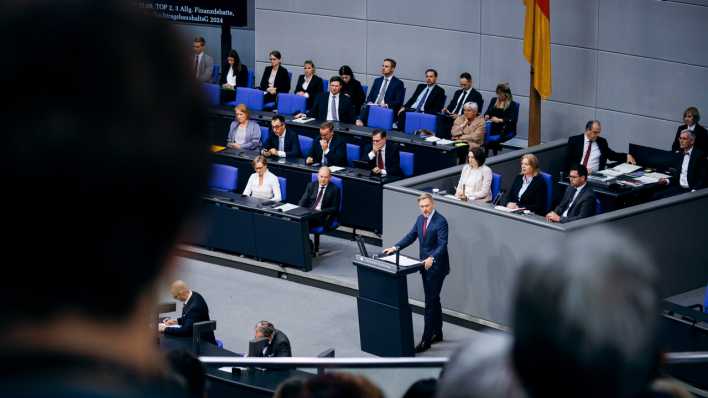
x: 534, y: 136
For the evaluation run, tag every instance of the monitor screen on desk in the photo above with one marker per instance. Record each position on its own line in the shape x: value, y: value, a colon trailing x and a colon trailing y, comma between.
x: 654, y: 158
x: 256, y: 347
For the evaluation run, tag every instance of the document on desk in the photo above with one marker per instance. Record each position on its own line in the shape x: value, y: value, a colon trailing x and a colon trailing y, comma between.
x: 443, y: 141
x: 626, y: 168
x: 403, y: 261
x: 657, y: 175
x: 508, y: 210
x: 645, y: 179
x: 304, y: 120
x: 335, y: 169
x: 432, y: 138
x: 286, y: 207
x: 610, y: 173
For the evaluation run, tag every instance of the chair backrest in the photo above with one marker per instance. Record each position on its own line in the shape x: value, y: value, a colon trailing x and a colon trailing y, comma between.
x: 325, y: 85
x: 264, y: 134
x: 496, y: 184
x: 215, y: 73
x: 251, y: 97
x: 705, y: 301
x: 336, y: 181
x: 283, y: 182
x: 212, y: 93
x: 290, y: 104
x: 305, y: 144
x: 353, y: 153
x: 380, y: 117
x: 416, y: 121
x: 223, y: 178
x: 290, y: 76
x: 549, y: 190
x: 366, y: 89
x: 487, y: 130
x: 598, y: 206
x: 251, y: 79
x: 407, y: 161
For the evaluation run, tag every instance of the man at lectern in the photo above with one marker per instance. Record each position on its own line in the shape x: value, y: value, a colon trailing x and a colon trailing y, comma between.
x: 431, y: 231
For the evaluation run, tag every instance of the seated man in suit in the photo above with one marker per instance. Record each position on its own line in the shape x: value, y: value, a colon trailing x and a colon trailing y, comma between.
x: 428, y: 98
x: 278, y: 342
x: 282, y: 142
x: 323, y: 196
x: 384, y: 160
x: 690, y: 173
x: 579, y: 199
x: 194, y: 310
x: 465, y: 94
x: 333, y: 106
x: 387, y: 91
x: 330, y: 151
x: 591, y: 150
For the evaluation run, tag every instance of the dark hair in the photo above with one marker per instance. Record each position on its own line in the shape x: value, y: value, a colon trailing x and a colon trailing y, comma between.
x: 694, y: 112
x: 190, y: 370
x: 431, y: 70
x: 380, y: 132
x: 290, y: 388
x: 327, y: 125
x: 479, y: 155
x: 200, y: 39
x: 237, y: 60
x: 336, y: 79
x: 424, y: 388
x: 392, y: 61
x: 588, y: 125
x: 278, y: 117
x: 466, y: 75
x: 582, y: 170
x: 309, y: 62
x: 585, y: 316
x: 266, y: 328
x: 346, y: 70
x: 276, y: 54
x: 340, y: 385
x: 137, y: 153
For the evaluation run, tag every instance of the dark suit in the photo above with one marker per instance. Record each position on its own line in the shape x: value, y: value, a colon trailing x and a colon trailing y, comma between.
x: 194, y: 310
x: 292, y: 145
x: 330, y: 202
x: 432, y: 244
x: 281, y: 83
x: 314, y: 89
x: 472, y: 96
x: 433, y: 103
x: 576, y: 146
x: 393, y: 97
x: 345, y: 110
x: 392, y: 159
x: 355, y: 92
x: 241, y: 76
x: 534, y: 198
x: 279, y: 346
x: 696, y: 175
x: 583, y: 206
x: 337, y: 155
x: 701, y: 138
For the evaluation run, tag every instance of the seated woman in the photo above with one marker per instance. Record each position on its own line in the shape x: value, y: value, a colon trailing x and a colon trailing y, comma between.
x: 501, y: 113
x: 243, y: 132
x: 529, y: 189
x: 233, y: 74
x: 308, y: 84
x: 691, y: 117
x: 476, y: 179
x: 352, y: 88
x: 469, y: 126
x: 275, y: 78
x: 263, y: 184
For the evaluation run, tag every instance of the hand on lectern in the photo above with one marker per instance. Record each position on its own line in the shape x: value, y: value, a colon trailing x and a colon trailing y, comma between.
x: 390, y: 250
x: 428, y: 262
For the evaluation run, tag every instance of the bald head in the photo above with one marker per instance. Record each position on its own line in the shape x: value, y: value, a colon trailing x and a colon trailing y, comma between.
x: 179, y: 290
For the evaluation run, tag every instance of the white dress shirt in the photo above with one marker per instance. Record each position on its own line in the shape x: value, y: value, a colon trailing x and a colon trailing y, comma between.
x: 525, y: 182
x: 231, y: 76
x: 577, y: 192
x: 324, y: 189
x: 271, y: 78
x: 372, y: 155
x: 305, y: 84
x: 329, y: 106
x: 281, y: 145
x: 683, y: 179
x: 462, y: 99
x: 269, y: 190
x: 594, y: 160
x: 476, y: 183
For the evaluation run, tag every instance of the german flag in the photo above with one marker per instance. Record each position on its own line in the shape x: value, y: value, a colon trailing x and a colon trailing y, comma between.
x: 537, y: 44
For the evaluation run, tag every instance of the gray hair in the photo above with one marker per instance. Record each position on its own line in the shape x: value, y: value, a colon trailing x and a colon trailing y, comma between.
x: 471, y: 105
x: 585, y: 318
x: 481, y: 368
x: 690, y: 133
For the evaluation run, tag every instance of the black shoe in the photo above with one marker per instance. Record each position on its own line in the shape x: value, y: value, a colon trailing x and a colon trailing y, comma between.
x: 436, y: 338
x: 422, y: 346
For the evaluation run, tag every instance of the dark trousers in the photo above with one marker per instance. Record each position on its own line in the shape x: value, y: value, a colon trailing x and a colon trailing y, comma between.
x: 671, y: 190
x: 432, y: 285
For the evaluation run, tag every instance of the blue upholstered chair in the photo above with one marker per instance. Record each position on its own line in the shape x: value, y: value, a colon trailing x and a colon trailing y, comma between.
x: 549, y: 190
x: 407, y: 163
x: 264, y: 134
x: 223, y: 178
x: 380, y: 117
x: 366, y: 89
x: 317, y: 231
x: 251, y: 97
x: 283, y: 182
x: 497, y: 138
x: 496, y: 184
x: 251, y: 79
x: 212, y: 93
x: 417, y: 120
x: 325, y: 85
x: 215, y: 73
x: 290, y: 104
x: 598, y: 206
x: 305, y: 144
x: 219, y: 343
x: 353, y: 153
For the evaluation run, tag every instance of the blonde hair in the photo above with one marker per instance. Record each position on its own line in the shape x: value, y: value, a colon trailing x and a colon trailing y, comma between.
x: 243, y: 108
x: 424, y: 196
x: 533, y: 162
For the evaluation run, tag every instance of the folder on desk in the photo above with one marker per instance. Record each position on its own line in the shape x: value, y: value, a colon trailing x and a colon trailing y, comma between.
x: 217, y: 148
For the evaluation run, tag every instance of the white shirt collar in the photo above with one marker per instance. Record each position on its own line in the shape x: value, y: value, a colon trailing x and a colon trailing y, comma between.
x: 188, y: 297
x: 432, y: 213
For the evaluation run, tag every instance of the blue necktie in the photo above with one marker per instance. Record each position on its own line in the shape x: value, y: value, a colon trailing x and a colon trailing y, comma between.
x: 422, y: 101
